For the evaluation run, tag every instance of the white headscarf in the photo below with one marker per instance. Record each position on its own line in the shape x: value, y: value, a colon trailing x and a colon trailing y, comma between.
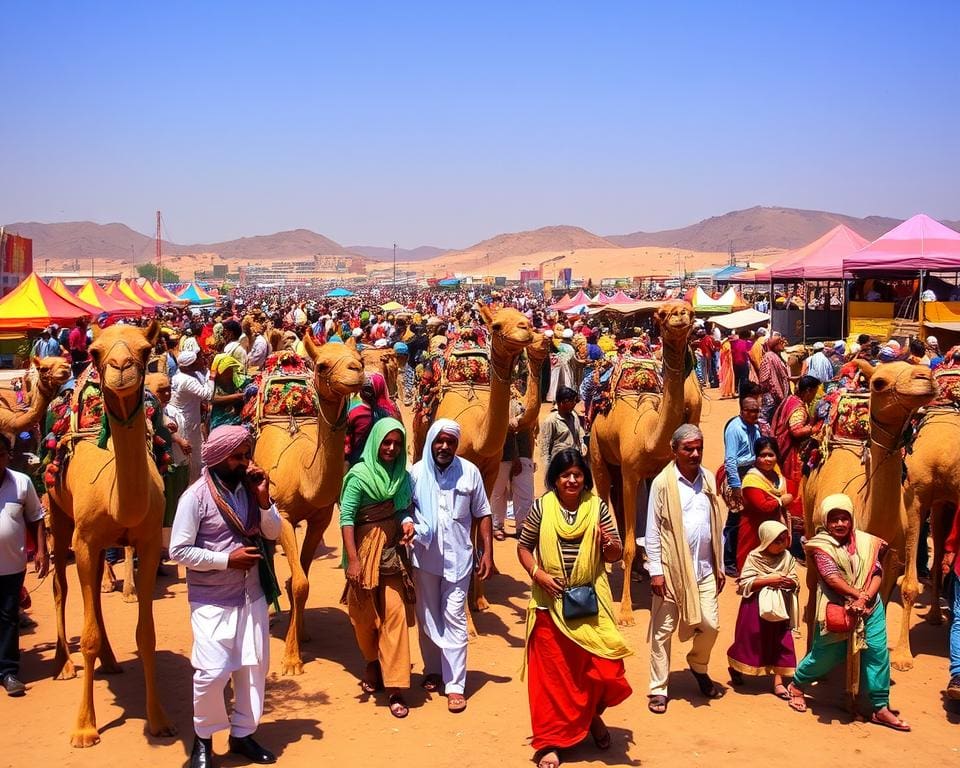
x: 426, y: 492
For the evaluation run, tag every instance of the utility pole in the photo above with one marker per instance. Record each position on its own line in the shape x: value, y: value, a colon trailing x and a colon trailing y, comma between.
x: 394, y: 267
x: 158, y: 249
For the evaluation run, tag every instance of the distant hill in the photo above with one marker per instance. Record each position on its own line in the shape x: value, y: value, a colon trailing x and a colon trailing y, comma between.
x: 560, y: 238
x: 282, y: 246
x: 758, y: 228
x: 85, y: 240
x: 376, y: 253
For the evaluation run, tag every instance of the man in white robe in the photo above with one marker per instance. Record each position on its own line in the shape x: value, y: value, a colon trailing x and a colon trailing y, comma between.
x: 218, y: 532
x: 448, y: 495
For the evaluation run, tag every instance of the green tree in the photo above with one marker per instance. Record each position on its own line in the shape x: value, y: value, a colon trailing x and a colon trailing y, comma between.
x: 149, y: 271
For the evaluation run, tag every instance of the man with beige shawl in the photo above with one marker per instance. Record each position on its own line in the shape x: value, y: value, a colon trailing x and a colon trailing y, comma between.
x: 684, y: 551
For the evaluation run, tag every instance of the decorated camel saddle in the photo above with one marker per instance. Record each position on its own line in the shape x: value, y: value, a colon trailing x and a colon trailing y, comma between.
x: 78, y: 414
x: 634, y: 374
x: 947, y: 383
x: 282, y: 390
x: 843, y: 421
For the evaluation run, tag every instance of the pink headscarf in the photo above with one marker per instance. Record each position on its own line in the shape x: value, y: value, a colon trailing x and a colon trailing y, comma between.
x: 382, y: 404
x: 221, y: 444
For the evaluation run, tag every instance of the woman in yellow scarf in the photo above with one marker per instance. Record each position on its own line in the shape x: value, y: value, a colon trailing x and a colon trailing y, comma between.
x: 574, y: 666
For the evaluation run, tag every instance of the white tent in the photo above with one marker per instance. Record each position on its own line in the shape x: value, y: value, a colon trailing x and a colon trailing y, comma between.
x: 741, y: 319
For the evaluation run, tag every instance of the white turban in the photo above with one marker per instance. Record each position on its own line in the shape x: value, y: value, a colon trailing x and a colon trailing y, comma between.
x: 186, y: 358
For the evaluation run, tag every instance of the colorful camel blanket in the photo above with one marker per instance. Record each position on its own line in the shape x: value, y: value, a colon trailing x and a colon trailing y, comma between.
x: 841, y: 418
x: 79, y: 414
x: 947, y: 381
x: 282, y: 388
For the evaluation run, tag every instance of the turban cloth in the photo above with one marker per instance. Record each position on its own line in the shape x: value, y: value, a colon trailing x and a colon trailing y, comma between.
x: 222, y: 443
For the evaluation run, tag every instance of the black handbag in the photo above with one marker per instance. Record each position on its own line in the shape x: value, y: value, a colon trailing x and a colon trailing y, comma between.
x: 579, y: 602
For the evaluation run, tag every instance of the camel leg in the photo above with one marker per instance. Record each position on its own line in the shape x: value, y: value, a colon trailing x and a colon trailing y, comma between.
x: 311, y: 540
x: 61, y: 530
x: 89, y: 571
x: 108, y: 582
x: 108, y: 659
x: 292, y: 663
x: 479, y: 602
x: 129, y: 583
x: 901, y: 657
x: 157, y: 722
x: 630, y: 483
x: 940, y: 519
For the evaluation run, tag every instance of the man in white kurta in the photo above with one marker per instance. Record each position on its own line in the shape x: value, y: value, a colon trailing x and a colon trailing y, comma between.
x: 189, y: 390
x: 217, y: 519
x: 448, y: 495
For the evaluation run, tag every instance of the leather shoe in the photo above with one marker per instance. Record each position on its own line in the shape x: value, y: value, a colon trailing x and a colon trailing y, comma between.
x: 13, y: 686
x: 249, y: 748
x: 202, y: 754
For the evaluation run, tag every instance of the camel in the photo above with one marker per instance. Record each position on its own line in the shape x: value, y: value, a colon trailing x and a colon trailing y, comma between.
x: 107, y: 496
x: 896, y: 391
x: 932, y: 485
x: 384, y: 362
x: 305, y: 464
x: 632, y: 440
x: 484, y: 413
x: 51, y: 374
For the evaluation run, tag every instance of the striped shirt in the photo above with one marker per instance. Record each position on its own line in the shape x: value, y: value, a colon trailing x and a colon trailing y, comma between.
x: 530, y: 533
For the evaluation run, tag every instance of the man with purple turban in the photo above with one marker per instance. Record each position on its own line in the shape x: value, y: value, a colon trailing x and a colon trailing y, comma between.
x: 218, y: 534
x: 448, y: 495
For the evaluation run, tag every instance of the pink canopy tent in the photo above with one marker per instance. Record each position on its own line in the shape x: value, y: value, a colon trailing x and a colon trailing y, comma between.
x: 621, y: 298
x: 565, y: 303
x: 601, y: 298
x: 562, y: 303
x: 820, y: 260
x: 919, y: 243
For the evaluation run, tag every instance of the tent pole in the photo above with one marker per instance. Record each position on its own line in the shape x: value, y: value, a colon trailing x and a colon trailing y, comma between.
x: 806, y: 291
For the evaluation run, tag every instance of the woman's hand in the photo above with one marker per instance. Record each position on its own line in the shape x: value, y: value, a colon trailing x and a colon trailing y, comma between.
x: 353, y: 572
x: 408, y: 532
x: 786, y: 500
x: 553, y: 586
x: 786, y: 583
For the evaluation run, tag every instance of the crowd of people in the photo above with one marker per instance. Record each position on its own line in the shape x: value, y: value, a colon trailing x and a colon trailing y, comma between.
x: 408, y: 553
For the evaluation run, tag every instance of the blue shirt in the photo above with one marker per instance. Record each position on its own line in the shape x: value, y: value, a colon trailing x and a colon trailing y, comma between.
x: 820, y: 367
x: 738, y: 440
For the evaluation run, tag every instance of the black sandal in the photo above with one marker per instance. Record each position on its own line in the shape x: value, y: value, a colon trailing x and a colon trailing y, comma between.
x: 542, y: 753
x: 657, y: 704
x: 707, y: 687
x: 398, y: 707
x: 432, y: 683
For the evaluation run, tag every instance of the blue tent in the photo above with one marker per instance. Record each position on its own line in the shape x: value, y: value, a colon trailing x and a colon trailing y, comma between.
x: 339, y: 293
x: 727, y: 272
x: 450, y: 282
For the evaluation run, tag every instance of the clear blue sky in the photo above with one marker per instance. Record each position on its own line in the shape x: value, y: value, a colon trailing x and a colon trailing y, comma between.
x: 446, y: 123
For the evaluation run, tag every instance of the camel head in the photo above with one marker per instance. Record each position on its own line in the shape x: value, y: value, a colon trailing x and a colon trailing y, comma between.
x: 539, y: 350
x: 120, y: 354
x: 510, y: 330
x: 675, y: 320
x: 337, y: 368
x: 254, y: 324
x: 52, y: 373
x: 897, y: 389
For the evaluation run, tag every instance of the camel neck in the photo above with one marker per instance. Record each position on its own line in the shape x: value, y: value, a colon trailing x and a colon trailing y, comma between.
x: 133, y: 465
x: 496, y: 420
x: 670, y: 413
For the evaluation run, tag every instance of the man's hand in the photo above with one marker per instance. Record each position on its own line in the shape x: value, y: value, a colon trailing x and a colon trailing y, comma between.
x: 485, y: 569
x: 260, y: 482
x: 408, y: 533
x: 243, y: 558
x: 947, y: 564
x: 353, y: 571
x: 721, y: 582
x: 41, y: 558
x: 658, y: 585
x: 737, y: 495
x: 516, y: 467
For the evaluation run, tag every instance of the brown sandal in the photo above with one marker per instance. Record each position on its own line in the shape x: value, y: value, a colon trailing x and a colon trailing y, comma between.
x: 432, y: 683
x: 456, y: 702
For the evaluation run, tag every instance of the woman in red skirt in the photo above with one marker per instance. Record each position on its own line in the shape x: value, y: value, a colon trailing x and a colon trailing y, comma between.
x: 574, y: 655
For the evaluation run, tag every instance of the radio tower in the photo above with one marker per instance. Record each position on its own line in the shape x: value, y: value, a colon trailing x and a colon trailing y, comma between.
x: 159, y: 273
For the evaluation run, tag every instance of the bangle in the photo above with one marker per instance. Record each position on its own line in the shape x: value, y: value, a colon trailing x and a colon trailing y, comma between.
x: 533, y: 572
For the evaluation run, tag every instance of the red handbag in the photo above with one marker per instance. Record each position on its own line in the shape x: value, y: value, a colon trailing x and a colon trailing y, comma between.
x: 839, y: 619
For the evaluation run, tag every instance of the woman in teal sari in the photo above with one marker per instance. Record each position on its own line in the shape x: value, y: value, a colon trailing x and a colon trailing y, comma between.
x: 379, y: 595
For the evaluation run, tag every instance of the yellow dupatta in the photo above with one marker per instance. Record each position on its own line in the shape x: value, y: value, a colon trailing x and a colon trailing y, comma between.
x: 598, y: 635
x: 756, y: 479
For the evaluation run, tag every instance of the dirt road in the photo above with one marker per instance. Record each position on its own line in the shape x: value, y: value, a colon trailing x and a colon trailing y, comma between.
x: 322, y: 718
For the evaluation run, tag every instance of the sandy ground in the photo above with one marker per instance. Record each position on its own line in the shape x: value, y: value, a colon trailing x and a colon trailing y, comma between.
x: 321, y: 716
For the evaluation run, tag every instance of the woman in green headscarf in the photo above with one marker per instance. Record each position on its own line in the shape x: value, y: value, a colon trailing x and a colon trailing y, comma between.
x: 375, y: 499
x: 227, y: 401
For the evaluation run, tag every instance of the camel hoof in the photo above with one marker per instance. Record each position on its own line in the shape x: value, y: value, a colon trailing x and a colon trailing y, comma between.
x: 901, y: 664
x: 130, y: 597
x: 482, y: 604
x: 108, y: 586
x: 162, y: 728
x: 84, y: 737
x: 110, y: 668
x: 67, y: 672
x: 626, y: 620
x: 291, y: 667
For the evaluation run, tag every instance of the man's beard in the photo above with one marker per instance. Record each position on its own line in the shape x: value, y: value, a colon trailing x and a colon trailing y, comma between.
x: 231, y: 477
